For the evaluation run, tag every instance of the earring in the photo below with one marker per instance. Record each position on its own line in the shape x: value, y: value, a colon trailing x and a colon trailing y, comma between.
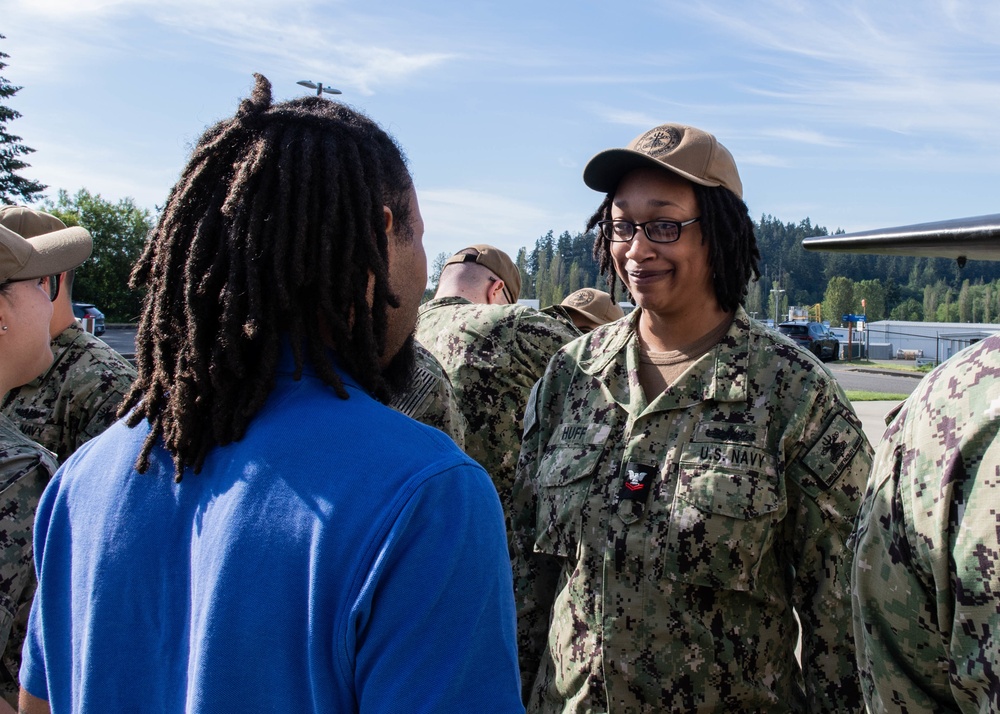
x: 4, y: 328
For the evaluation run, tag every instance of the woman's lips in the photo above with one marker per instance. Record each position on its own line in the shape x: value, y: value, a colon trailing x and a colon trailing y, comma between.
x: 641, y: 277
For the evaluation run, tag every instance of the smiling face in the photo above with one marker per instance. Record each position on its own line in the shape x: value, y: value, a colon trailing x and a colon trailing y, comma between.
x: 671, y: 282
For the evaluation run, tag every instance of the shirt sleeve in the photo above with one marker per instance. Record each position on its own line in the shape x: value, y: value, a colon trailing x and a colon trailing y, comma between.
x: 23, y: 479
x: 451, y: 646
x: 927, y: 551
x: 830, y: 459
x: 99, y: 409
x: 539, y: 337
x: 535, y: 574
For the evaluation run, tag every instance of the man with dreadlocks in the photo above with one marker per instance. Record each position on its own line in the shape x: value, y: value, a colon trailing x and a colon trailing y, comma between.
x: 262, y: 533
x: 688, y: 478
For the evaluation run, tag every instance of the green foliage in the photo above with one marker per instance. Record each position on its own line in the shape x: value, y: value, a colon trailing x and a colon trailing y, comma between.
x: 554, y: 268
x: 119, y: 231
x: 436, y: 267
x: 907, y: 311
x: 13, y: 188
x: 873, y: 292
x: 839, y: 299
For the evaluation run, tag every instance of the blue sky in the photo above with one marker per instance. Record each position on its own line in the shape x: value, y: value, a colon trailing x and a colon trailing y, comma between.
x: 856, y: 115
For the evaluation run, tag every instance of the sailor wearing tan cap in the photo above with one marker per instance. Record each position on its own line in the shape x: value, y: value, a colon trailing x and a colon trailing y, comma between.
x: 493, y: 350
x: 25, y: 467
x: 77, y: 397
x: 688, y: 478
x: 587, y: 308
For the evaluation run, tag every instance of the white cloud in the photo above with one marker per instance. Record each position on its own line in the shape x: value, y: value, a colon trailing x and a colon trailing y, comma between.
x: 456, y: 217
x: 641, y: 120
x: 805, y: 136
x: 922, y: 66
x: 300, y: 37
x: 759, y: 158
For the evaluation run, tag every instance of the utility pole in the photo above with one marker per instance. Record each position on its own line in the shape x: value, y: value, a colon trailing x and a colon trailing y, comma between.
x: 777, y: 293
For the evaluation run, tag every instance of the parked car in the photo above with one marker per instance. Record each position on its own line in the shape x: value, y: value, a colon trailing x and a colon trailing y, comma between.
x: 83, y: 310
x: 814, y: 336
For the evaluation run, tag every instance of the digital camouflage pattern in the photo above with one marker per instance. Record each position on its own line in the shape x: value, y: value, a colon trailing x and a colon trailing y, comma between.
x: 927, y: 557
x: 667, y: 542
x: 430, y: 398
x: 559, y: 312
x: 76, y: 399
x: 25, y: 469
x: 493, y: 355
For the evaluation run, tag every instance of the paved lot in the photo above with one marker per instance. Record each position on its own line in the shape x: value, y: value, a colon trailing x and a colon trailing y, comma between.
x: 873, y: 418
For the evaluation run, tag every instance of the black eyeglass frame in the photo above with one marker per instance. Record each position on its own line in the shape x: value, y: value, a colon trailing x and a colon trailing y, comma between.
x: 608, y: 225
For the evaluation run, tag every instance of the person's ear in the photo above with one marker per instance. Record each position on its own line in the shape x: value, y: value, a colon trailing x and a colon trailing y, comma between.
x: 387, y: 214
x: 496, y: 295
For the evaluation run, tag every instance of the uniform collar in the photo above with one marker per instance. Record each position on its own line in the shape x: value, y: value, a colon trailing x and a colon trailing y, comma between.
x: 442, y: 302
x: 720, y: 374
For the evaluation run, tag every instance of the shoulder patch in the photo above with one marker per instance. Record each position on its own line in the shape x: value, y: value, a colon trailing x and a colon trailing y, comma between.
x: 833, y: 450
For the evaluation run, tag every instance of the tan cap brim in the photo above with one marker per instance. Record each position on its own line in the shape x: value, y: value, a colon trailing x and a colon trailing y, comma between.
x: 48, y: 254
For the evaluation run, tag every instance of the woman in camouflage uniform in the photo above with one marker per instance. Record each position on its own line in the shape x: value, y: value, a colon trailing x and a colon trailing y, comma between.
x: 688, y: 478
x: 25, y: 467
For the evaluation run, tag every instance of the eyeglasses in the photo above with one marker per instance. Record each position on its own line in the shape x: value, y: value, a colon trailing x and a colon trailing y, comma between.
x: 659, y: 231
x: 54, y: 287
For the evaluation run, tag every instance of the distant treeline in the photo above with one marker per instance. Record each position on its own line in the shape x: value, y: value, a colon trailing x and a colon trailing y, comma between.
x: 829, y: 285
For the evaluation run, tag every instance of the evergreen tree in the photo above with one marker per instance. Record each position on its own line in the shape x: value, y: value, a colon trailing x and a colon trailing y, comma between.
x: 574, y: 278
x: 527, y: 279
x: 965, y: 309
x: 910, y: 310
x: 13, y: 188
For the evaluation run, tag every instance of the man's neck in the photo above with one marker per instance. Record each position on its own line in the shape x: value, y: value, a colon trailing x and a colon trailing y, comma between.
x: 62, y: 317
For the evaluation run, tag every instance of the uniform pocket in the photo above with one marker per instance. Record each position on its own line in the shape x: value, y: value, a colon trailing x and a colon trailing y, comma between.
x: 726, y: 505
x: 565, y: 474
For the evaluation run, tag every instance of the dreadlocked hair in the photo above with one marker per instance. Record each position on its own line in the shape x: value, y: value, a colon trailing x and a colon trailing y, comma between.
x: 274, y: 235
x: 725, y: 225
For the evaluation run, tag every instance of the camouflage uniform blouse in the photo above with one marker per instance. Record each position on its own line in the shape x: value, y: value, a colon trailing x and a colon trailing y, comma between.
x: 76, y: 399
x: 927, y: 558
x: 660, y: 547
x: 25, y: 469
x: 430, y: 398
x: 493, y: 355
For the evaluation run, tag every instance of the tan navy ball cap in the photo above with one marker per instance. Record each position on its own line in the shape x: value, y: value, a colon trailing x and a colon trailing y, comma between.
x: 498, y: 262
x: 596, y: 306
x: 27, y: 222
x: 688, y: 152
x: 49, y: 254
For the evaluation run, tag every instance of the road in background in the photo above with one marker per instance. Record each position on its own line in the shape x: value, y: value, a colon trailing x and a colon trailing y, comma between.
x: 121, y: 338
x: 874, y: 378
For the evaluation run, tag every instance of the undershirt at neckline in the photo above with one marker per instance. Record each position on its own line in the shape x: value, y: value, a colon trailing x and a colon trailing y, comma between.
x: 659, y: 370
